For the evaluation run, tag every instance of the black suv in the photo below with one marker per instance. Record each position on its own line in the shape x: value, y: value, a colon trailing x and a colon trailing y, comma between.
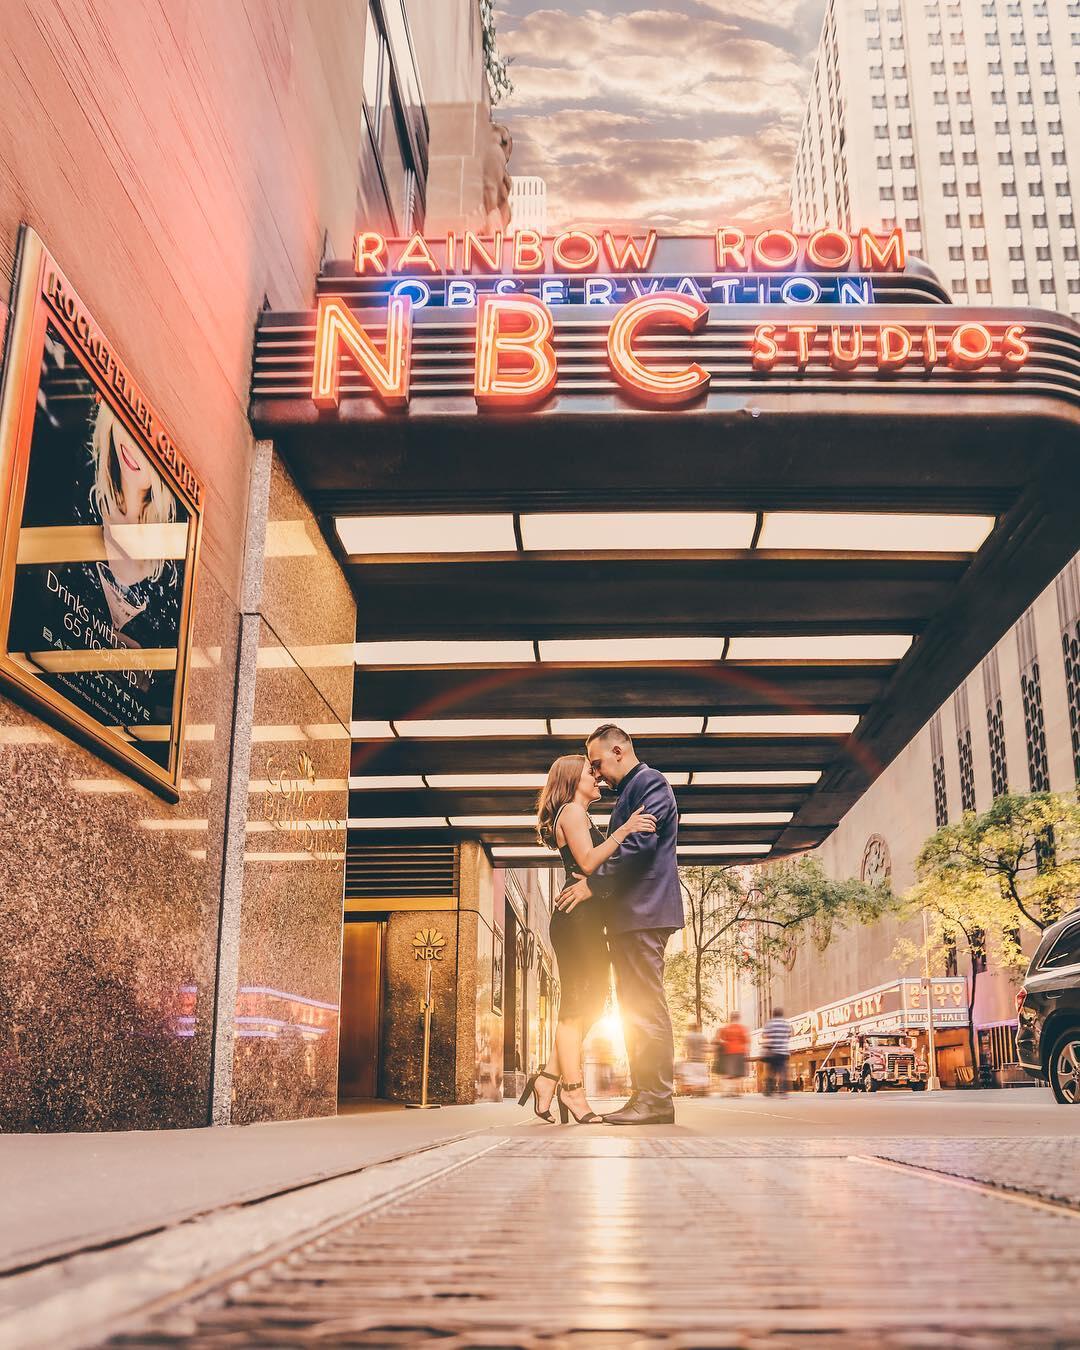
x: 1048, y: 1010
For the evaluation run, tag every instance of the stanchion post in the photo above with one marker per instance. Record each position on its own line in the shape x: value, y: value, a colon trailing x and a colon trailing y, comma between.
x: 425, y: 1007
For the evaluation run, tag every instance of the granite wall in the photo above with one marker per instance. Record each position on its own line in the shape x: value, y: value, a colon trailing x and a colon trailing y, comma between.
x: 205, y: 184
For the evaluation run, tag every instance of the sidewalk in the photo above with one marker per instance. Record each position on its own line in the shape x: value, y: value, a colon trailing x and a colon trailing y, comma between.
x: 79, y: 1191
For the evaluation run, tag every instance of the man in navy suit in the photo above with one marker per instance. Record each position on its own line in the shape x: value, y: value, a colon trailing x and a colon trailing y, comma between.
x: 641, y: 884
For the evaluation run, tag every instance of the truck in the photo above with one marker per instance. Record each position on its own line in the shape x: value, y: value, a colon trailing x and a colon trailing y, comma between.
x: 867, y: 1061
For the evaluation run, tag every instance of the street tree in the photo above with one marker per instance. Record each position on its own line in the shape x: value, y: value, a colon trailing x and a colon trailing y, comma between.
x: 989, y: 879
x: 1023, y: 850
x: 747, y: 918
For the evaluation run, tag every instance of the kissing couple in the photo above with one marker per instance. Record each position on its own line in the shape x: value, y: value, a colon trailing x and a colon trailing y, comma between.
x: 620, y: 903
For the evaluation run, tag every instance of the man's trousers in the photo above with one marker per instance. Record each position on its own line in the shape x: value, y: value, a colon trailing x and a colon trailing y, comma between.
x: 638, y: 958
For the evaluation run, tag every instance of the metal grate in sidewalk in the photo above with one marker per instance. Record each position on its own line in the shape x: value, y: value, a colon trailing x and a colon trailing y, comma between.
x: 579, y: 1241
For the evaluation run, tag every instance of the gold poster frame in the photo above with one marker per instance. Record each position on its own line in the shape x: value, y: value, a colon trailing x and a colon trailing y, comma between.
x: 42, y: 293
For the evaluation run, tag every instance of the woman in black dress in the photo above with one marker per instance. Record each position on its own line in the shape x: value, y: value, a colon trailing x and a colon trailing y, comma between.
x: 577, y: 935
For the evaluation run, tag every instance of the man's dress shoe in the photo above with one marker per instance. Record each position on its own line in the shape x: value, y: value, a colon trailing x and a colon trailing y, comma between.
x: 642, y: 1113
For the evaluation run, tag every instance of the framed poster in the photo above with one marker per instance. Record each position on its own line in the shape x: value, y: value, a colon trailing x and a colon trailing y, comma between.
x: 99, y: 535
x: 498, y: 956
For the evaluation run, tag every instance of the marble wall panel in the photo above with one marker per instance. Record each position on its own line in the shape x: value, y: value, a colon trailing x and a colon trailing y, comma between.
x: 289, y: 971
x: 402, y: 1030
x: 305, y: 597
x: 109, y: 902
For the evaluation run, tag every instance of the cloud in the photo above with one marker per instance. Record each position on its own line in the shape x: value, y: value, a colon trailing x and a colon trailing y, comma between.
x: 679, y: 116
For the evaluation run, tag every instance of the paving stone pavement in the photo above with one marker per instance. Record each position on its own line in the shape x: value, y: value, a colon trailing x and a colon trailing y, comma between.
x: 587, y: 1239
x: 1049, y: 1167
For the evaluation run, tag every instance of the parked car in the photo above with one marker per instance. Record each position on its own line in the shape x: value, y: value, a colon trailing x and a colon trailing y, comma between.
x: 1048, y: 1011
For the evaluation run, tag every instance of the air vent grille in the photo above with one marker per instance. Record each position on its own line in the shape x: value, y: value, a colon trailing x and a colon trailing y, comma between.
x: 395, y: 871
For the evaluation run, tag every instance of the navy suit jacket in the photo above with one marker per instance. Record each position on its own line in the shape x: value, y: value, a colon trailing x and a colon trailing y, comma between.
x: 641, y: 878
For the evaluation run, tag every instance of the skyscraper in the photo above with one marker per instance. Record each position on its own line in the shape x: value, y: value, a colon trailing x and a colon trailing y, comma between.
x: 958, y: 120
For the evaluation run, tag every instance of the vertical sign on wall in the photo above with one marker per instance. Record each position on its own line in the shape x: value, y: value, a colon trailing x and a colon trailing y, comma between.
x: 99, y: 535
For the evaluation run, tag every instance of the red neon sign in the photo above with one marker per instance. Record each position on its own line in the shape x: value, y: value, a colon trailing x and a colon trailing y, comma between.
x: 649, y: 383
x: 515, y: 361
x: 888, y: 346
x: 336, y: 327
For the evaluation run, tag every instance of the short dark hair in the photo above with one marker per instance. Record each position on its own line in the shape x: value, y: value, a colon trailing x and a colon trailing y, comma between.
x: 609, y: 732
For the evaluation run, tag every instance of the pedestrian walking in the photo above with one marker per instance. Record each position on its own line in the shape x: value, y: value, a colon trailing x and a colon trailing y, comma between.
x: 733, y: 1039
x: 694, y: 1070
x: 776, y: 1048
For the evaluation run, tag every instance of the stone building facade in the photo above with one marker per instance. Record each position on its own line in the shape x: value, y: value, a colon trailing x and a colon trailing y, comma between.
x: 1012, y: 725
x: 173, y: 964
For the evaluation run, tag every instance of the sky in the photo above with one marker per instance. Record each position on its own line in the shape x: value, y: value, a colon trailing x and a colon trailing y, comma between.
x: 680, y: 115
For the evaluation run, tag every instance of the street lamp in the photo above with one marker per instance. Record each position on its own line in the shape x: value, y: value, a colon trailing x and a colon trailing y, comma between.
x: 933, y: 1082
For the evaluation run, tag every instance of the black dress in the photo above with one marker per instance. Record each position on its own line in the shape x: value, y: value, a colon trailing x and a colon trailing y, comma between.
x: 581, y: 948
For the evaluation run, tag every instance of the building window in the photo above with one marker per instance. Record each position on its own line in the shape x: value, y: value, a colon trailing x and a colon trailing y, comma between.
x: 1031, y: 689
x: 1046, y: 286
x: 937, y: 762
x: 1068, y: 601
x: 1019, y: 286
x: 962, y: 714
x: 995, y: 725
x: 956, y: 253
x: 982, y: 285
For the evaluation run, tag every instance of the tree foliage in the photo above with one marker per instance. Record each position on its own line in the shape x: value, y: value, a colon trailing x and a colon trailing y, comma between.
x: 1015, y: 864
x: 496, y: 67
x: 749, y: 918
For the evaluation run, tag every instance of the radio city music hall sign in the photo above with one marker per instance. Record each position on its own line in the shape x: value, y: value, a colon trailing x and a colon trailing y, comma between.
x: 509, y: 282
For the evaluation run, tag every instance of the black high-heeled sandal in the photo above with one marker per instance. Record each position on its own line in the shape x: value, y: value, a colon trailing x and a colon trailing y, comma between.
x: 589, y: 1118
x: 530, y: 1091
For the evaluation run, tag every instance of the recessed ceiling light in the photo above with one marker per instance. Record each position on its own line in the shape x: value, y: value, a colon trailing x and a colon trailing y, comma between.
x: 873, y: 531
x: 371, y: 731
x: 784, y: 724
x: 523, y: 851
x: 735, y: 817
x: 662, y: 531
x: 493, y: 822
x: 633, y: 726
x: 397, y: 823
x: 655, y: 649
x: 472, y: 726
x: 463, y: 781
x: 824, y: 647
x: 758, y: 778
x: 376, y: 782
x: 507, y: 822
x: 697, y: 850
x: 441, y: 653
x: 427, y: 534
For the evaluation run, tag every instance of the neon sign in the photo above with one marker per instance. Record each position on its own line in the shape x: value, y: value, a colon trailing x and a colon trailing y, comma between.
x: 660, y: 294
x: 527, y: 251
x: 516, y: 361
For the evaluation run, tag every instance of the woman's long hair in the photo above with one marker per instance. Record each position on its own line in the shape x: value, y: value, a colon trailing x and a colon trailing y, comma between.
x: 562, y: 781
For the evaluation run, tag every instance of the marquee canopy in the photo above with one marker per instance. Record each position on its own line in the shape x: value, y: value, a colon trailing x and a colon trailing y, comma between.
x: 769, y: 527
